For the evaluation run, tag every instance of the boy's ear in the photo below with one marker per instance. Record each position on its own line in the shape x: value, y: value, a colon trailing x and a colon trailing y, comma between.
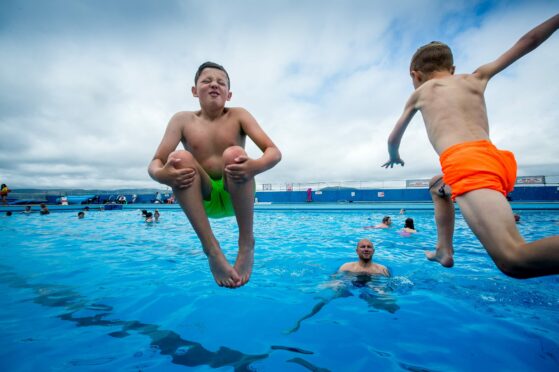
x: 229, y: 95
x: 416, y: 75
x: 194, y: 92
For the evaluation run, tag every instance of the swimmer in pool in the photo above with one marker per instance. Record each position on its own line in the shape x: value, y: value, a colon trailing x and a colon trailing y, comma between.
x: 213, y: 176
x: 365, y: 265
x: 363, y: 278
x: 385, y: 224
x: 409, y: 226
x: 479, y: 175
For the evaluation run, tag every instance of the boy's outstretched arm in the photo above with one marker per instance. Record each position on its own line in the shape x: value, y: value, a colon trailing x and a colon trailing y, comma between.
x: 245, y: 167
x: 530, y: 41
x: 396, y: 136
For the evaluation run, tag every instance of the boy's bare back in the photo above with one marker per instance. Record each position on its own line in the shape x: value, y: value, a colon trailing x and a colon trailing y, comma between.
x: 453, y: 109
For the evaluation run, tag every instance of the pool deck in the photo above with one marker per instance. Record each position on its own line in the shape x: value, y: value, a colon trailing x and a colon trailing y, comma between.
x: 396, y: 206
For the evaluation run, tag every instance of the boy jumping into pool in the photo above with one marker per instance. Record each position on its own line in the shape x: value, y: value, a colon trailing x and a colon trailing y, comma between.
x: 479, y: 175
x: 213, y: 176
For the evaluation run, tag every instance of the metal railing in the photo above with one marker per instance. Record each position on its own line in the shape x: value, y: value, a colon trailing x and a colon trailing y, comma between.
x: 385, y: 184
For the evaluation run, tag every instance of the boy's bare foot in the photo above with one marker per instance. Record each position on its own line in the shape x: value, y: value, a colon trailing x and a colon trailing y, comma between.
x: 224, y: 274
x: 442, y: 256
x: 244, y: 262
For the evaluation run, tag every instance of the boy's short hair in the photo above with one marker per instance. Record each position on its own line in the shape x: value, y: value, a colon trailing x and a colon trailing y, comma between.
x: 385, y: 219
x: 435, y: 56
x: 211, y: 65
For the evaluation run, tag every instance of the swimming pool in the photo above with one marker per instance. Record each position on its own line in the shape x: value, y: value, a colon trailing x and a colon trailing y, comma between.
x: 110, y: 292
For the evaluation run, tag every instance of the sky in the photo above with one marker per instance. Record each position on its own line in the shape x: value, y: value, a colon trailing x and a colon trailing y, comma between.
x: 88, y: 87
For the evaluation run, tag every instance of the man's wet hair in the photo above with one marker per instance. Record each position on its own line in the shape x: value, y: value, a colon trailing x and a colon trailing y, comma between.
x: 211, y: 65
x: 385, y: 219
x: 435, y: 56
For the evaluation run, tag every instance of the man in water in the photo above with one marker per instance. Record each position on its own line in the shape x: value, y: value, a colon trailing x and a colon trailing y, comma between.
x: 362, y: 280
x: 365, y: 265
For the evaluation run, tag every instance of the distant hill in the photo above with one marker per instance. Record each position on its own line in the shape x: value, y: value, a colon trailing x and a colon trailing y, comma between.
x: 40, y: 194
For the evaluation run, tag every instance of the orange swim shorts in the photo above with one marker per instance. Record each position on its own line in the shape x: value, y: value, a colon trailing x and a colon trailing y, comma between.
x: 478, y: 165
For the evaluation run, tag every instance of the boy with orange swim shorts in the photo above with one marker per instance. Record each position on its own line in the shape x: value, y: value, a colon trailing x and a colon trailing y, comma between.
x: 479, y: 174
x: 213, y: 176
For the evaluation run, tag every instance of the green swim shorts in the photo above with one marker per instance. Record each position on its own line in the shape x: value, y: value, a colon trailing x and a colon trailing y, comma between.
x: 219, y: 205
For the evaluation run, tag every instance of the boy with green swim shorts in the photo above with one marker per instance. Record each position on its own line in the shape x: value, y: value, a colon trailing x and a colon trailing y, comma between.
x: 213, y: 176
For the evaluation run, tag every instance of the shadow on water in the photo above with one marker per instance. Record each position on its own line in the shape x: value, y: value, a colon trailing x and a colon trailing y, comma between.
x: 374, y: 290
x: 182, y: 352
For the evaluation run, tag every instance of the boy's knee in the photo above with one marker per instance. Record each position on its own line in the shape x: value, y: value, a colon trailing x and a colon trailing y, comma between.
x: 437, y: 187
x: 183, y: 159
x: 513, y: 263
x: 231, y: 153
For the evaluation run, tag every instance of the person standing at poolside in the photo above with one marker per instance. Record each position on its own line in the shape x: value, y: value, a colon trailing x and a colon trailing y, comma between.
x: 365, y: 265
x: 479, y: 175
x: 213, y: 176
x: 4, y: 191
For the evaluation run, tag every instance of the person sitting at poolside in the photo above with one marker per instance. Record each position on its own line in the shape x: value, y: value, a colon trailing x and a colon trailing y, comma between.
x: 365, y: 251
x: 409, y: 226
x: 385, y: 224
x: 44, y: 209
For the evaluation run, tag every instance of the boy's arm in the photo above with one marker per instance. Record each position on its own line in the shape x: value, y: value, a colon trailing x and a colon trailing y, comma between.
x: 523, y: 46
x: 396, y: 136
x: 159, y: 168
x: 271, y: 155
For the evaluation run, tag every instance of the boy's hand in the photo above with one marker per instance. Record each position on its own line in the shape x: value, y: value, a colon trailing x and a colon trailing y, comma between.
x: 241, y: 171
x: 176, y: 178
x: 390, y: 163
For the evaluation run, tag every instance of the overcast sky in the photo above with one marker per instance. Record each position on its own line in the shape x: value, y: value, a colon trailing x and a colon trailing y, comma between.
x: 88, y: 87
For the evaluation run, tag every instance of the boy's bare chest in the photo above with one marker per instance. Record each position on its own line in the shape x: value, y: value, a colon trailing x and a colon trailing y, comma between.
x: 220, y: 134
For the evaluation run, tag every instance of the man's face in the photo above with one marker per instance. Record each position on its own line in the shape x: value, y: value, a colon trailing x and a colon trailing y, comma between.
x: 365, y: 250
x: 212, y: 86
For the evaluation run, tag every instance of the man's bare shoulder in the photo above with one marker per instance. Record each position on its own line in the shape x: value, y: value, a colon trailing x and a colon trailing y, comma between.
x: 381, y: 269
x: 348, y: 266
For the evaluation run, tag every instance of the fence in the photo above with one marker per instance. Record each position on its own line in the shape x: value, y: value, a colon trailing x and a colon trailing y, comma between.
x: 528, y: 181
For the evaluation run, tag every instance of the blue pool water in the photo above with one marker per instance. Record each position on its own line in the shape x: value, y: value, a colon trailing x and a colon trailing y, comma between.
x: 112, y: 293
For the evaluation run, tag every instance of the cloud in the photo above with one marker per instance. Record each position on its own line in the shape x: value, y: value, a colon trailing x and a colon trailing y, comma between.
x: 88, y: 88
